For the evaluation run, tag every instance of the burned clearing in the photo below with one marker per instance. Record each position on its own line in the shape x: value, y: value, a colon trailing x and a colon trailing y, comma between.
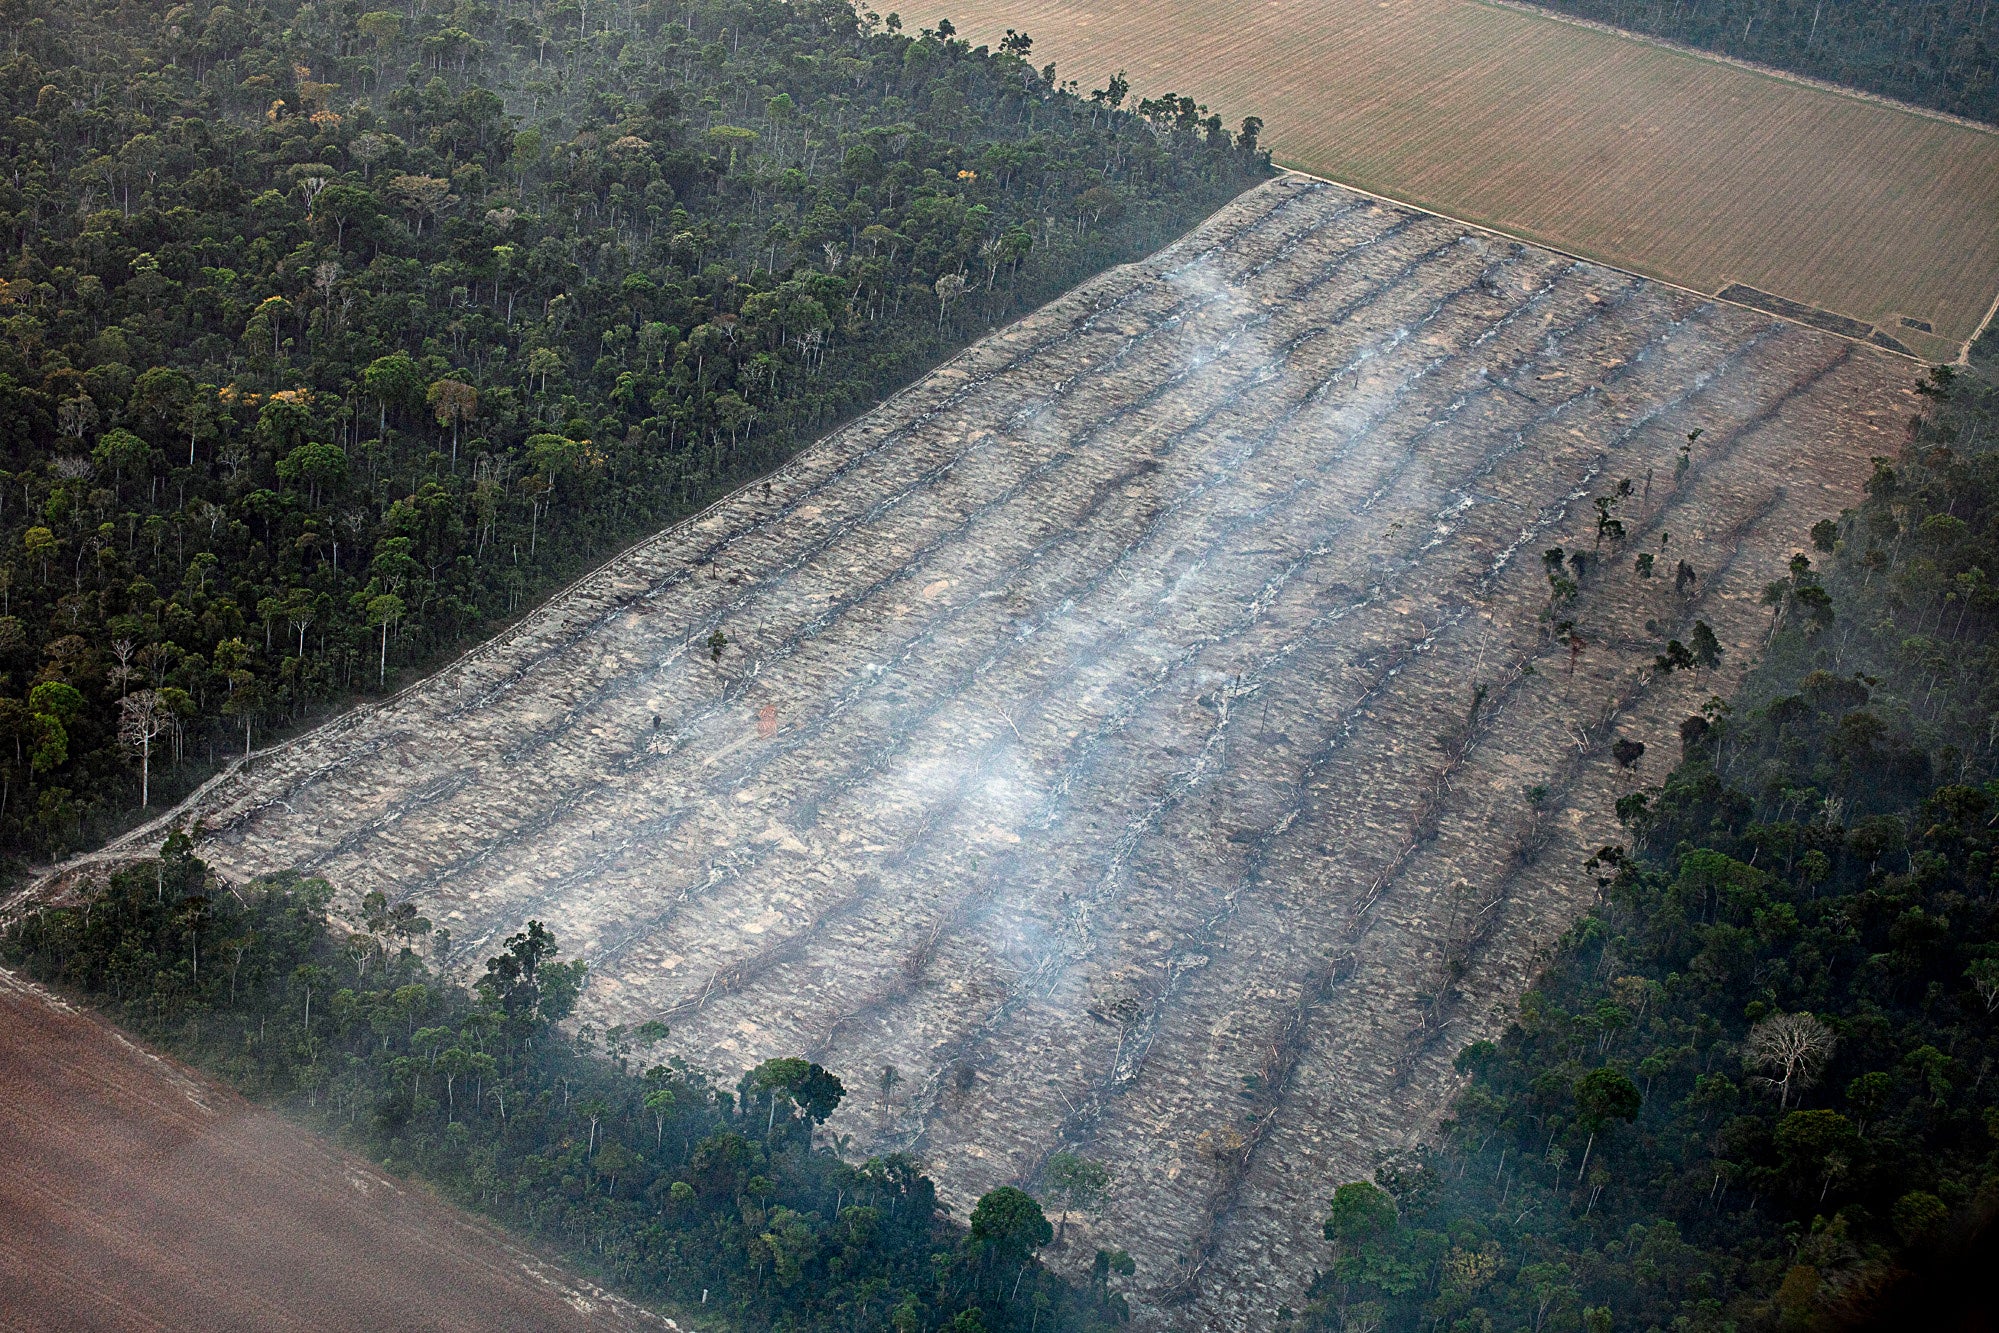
x: 1144, y: 733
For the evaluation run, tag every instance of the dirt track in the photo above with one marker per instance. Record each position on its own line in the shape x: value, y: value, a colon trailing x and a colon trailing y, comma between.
x: 1094, y: 741
x: 139, y: 1196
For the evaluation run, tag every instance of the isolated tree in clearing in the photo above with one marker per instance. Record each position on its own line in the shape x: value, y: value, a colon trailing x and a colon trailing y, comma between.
x: 888, y: 1080
x: 1079, y: 1182
x: 1008, y: 1226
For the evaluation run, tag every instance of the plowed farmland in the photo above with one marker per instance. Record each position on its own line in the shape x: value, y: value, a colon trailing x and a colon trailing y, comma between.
x: 1655, y: 159
x: 1125, y: 732
x: 138, y: 1196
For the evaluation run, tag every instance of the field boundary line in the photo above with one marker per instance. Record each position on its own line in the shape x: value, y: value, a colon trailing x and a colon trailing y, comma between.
x: 1963, y: 352
x: 1767, y: 71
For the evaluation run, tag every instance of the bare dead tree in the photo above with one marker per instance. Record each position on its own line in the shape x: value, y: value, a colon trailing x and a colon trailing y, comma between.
x: 1984, y: 978
x: 889, y: 1079
x: 122, y: 672
x: 142, y: 716
x: 1790, y: 1049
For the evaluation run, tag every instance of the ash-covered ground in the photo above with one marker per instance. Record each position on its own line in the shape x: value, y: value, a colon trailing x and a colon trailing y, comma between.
x: 1095, y: 738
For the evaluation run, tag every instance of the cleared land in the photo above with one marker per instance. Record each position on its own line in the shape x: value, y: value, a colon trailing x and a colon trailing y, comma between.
x: 139, y: 1196
x: 1093, y: 740
x: 1657, y: 160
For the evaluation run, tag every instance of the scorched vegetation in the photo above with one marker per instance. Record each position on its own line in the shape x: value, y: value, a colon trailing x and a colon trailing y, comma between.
x: 335, y: 337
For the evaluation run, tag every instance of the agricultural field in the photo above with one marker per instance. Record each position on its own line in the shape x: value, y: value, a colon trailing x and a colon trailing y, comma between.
x: 1144, y: 733
x: 140, y: 1196
x: 1655, y: 159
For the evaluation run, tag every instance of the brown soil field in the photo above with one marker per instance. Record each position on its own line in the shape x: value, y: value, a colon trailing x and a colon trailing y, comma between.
x: 1656, y: 159
x: 1094, y: 741
x: 138, y: 1195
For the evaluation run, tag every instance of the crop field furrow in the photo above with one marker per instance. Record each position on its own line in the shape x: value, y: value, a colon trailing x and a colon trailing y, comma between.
x: 1440, y: 884
x: 1014, y: 704
x: 1237, y: 232
x: 1452, y: 773
x: 1146, y: 466
x: 439, y: 814
x: 924, y: 562
x: 1604, y: 144
x: 1080, y: 756
x: 1264, y: 594
x: 1496, y: 702
x: 1092, y: 747
x: 1328, y: 1118
x: 901, y: 657
x: 1091, y: 738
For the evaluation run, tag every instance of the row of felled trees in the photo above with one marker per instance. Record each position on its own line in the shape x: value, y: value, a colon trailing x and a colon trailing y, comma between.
x: 333, y: 341
x: 1754, y: 1085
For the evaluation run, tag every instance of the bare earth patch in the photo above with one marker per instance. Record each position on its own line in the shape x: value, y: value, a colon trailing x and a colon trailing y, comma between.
x: 1655, y: 158
x: 1094, y: 738
x: 141, y: 1196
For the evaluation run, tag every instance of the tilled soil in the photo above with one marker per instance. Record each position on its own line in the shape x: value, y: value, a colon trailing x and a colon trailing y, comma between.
x: 140, y: 1196
x: 1660, y: 159
x: 1094, y: 741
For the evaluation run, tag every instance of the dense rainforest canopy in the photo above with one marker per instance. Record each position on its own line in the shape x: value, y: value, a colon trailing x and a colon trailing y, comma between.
x: 335, y: 336
x: 1760, y: 1081
x: 1935, y: 53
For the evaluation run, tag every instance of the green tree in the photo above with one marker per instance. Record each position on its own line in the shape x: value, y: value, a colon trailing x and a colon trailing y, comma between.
x: 1818, y: 1147
x: 40, y: 544
x: 1371, y: 1249
x: 52, y: 708
x: 121, y: 451
x: 385, y: 611
x: 382, y: 27
x: 1361, y: 1213
x: 1007, y: 1227
x: 455, y: 403
x: 393, y: 381
x: 316, y: 467
x: 1079, y: 1182
x: 1603, y: 1096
